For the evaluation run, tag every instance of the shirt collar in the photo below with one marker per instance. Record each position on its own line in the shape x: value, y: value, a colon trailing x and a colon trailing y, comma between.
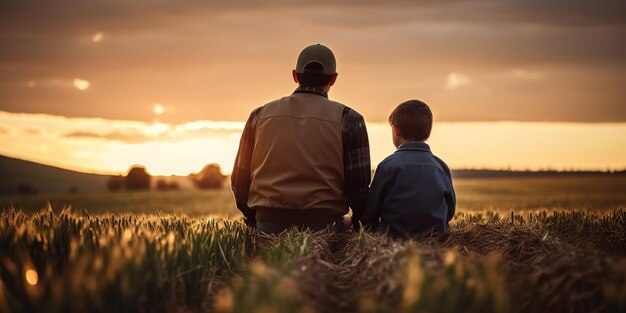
x: 310, y: 89
x: 414, y: 145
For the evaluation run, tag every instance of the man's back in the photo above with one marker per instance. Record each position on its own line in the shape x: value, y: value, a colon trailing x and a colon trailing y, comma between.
x: 297, y: 163
x: 303, y: 159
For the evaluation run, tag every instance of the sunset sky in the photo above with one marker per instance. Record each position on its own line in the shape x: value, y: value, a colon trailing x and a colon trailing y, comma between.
x: 100, y: 85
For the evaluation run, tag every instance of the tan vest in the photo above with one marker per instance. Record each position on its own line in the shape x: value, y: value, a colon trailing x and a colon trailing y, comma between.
x: 297, y: 165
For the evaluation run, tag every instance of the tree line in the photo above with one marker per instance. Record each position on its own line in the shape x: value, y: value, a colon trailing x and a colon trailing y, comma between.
x: 138, y: 178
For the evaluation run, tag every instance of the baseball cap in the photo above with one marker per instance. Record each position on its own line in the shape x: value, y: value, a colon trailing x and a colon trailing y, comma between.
x: 320, y: 54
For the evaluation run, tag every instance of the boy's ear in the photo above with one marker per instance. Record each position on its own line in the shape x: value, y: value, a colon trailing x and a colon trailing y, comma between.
x: 295, y: 76
x: 396, y: 131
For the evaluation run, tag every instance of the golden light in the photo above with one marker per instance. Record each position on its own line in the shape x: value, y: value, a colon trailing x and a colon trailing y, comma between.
x: 158, y: 109
x: 127, y: 236
x: 81, y: 84
x: 97, y: 37
x: 455, y: 80
x: 32, y: 277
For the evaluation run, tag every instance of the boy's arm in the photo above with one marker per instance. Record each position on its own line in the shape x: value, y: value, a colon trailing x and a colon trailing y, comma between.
x: 240, y: 177
x: 450, y: 197
x: 371, y: 213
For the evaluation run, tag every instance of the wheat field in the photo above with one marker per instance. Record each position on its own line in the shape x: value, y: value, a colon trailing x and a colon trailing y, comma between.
x: 495, y: 258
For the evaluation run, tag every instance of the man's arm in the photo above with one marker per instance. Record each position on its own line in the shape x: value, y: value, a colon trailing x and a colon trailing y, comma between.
x: 356, y: 160
x: 240, y: 177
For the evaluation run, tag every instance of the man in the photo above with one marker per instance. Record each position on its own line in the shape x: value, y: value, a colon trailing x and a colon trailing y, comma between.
x: 303, y: 159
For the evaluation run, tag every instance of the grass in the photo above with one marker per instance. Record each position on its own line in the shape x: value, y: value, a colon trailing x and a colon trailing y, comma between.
x: 112, y: 263
x: 190, y: 202
x: 490, y: 262
x: 507, y: 251
x: 598, y: 193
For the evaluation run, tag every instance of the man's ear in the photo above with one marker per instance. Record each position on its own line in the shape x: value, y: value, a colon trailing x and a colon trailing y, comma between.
x: 295, y: 76
x: 332, y: 80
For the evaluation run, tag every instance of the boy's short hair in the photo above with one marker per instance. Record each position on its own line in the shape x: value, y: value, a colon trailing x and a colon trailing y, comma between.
x: 413, y: 119
x: 314, y: 76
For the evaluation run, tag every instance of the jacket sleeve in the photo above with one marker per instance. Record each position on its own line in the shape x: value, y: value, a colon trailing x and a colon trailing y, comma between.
x: 371, y: 213
x: 240, y: 177
x: 450, y: 197
x: 357, y: 166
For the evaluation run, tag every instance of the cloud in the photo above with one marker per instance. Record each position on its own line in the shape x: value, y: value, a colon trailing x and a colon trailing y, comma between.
x: 203, y: 55
x: 32, y: 131
x: 455, y: 80
x: 128, y: 132
x: 130, y: 138
x: 113, y: 130
x: 81, y: 84
x: 57, y: 82
x: 119, y: 14
x: 527, y: 74
x: 97, y: 37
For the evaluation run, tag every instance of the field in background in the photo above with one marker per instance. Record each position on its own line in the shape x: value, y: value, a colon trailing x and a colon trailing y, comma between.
x: 472, y: 194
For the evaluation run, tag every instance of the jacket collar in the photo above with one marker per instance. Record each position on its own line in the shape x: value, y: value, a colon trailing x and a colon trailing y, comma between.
x: 415, y: 146
x: 313, y: 90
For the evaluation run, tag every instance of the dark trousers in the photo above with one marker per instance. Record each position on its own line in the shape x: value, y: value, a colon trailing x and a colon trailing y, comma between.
x: 271, y: 228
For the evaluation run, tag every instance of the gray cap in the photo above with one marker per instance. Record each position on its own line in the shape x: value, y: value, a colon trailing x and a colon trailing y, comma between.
x: 320, y: 54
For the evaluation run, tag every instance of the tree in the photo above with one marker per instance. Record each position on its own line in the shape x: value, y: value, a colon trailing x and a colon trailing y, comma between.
x: 137, y: 178
x: 115, y: 183
x: 162, y: 185
x: 27, y: 189
x: 210, y: 177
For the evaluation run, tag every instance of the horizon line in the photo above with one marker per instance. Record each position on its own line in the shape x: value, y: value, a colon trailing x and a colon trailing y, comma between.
x: 479, y: 169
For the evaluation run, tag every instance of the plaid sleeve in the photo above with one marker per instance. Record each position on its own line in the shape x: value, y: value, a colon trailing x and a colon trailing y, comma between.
x: 356, y: 160
x: 240, y: 177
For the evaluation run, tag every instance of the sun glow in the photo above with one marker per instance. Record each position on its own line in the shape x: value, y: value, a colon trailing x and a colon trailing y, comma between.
x: 31, y: 277
x: 112, y: 146
x: 455, y: 80
x: 97, y: 37
x: 158, y: 109
x: 81, y: 84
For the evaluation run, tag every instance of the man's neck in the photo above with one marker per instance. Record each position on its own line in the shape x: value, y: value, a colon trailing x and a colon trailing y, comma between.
x: 316, y: 90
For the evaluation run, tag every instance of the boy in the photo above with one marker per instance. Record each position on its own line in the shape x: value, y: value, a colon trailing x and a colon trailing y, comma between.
x: 412, y: 192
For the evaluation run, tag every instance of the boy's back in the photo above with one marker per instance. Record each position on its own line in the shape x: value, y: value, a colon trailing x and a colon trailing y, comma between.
x: 412, y: 191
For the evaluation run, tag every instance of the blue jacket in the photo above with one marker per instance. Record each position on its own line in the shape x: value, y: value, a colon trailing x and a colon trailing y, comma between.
x: 411, y: 193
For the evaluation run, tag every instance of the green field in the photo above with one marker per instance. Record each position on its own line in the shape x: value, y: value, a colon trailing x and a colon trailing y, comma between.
x: 516, y: 245
x: 472, y: 194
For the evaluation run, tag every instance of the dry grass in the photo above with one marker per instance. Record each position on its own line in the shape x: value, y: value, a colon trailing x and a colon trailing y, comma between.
x: 536, y: 261
x: 491, y: 266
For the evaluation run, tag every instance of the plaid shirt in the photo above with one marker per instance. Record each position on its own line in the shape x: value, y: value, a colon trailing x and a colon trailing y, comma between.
x: 356, y: 160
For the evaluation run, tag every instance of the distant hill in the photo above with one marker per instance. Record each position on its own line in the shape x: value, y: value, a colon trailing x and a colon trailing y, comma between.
x: 45, y: 178
x: 49, y: 179
x: 17, y: 173
x: 485, y: 173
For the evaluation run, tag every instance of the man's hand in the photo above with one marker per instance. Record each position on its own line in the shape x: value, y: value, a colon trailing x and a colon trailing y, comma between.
x: 347, y: 220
